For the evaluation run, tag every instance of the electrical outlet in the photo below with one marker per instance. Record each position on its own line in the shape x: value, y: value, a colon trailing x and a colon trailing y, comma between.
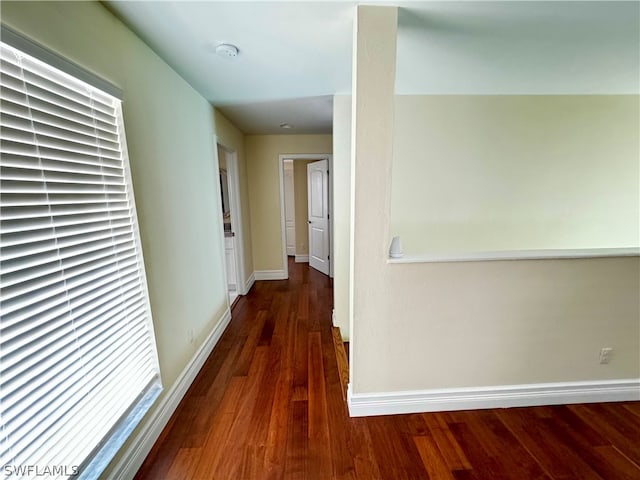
x: 605, y: 355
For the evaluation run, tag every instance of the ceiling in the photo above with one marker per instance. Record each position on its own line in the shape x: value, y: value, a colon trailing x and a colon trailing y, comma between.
x: 294, y: 56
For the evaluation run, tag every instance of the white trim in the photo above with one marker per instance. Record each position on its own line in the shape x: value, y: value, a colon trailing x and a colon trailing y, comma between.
x: 250, y: 281
x: 518, y: 255
x: 331, y: 217
x: 233, y: 179
x: 271, y: 275
x: 141, y: 445
x: 283, y: 231
x: 333, y: 317
x: 391, y: 403
x: 302, y: 258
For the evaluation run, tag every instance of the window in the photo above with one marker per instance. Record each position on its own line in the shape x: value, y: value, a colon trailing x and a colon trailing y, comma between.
x: 78, y: 363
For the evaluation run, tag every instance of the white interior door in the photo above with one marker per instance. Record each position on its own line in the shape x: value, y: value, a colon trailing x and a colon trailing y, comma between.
x: 318, y: 205
x: 289, y: 208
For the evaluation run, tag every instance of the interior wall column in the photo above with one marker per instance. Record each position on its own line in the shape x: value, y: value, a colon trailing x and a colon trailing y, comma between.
x: 373, y: 90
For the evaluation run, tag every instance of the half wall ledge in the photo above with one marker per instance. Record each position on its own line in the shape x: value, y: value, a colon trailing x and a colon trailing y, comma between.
x: 545, y: 254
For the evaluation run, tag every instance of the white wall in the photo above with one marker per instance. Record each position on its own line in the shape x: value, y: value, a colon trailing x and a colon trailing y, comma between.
x: 341, y: 210
x: 426, y: 326
x: 474, y: 173
x: 372, y: 142
x: 502, y: 323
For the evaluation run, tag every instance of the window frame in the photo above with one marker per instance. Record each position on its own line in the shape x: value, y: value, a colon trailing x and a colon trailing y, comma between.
x: 102, y: 454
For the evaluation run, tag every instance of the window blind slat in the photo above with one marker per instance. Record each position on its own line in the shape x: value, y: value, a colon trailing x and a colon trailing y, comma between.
x: 72, y: 258
x: 8, y: 147
x: 15, y: 101
x: 35, y: 175
x: 19, y: 238
x: 23, y: 277
x: 82, y: 99
x: 72, y: 143
x: 43, y: 291
x: 35, y: 75
x: 74, y: 297
x: 76, y: 332
x: 105, y: 339
x: 63, y: 245
x: 45, y: 164
x: 42, y: 100
x: 86, y: 209
x: 21, y: 336
x: 46, y: 353
x: 55, y: 405
x: 20, y: 112
x: 31, y: 125
x: 24, y: 146
x: 46, y: 231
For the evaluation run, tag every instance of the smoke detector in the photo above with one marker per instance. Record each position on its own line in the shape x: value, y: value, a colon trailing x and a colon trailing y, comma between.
x: 227, y: 50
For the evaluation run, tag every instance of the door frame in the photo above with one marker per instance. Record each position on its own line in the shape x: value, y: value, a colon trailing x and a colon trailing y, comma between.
x: 289, y: 196
x: 283, y: 232
x: 233, y: 182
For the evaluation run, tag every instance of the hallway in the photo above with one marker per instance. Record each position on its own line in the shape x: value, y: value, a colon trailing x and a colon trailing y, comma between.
x: 268, y: 404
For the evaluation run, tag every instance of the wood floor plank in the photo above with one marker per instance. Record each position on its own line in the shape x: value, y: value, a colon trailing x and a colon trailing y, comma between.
x: 434, y: 463
x: 319, y: 441
x: 342, y: 460
x: 296, y: 458
x: 218, y: 433
x: 242, y: 429
x: 633, y: 407
x: 269, y: 403
x: 184, y: 464
x: 360, y: 446
x: 615, y: 428
x: 556, y: 458
x: 208, y: 403
x: 451, y: 451
x: 342, y: 360
x: 483, y: 465
x: 250, y: 345
x: 275, y: 447
x: 396, y: 452
x: 503, y: 446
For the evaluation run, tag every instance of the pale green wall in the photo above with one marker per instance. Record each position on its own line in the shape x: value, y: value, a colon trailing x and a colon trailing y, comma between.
x: 171, y: 148
x: 232, y: 138
x: 478, y: 173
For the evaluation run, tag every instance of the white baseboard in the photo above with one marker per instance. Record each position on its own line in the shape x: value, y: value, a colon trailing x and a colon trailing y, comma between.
x: 141, y: 445
x: 474, y: 398
x: 249, y: 283
x: 302, y: 258
x: 270, y: 275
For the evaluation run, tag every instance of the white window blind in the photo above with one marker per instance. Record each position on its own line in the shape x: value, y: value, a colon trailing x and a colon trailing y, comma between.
x: 78, y: 363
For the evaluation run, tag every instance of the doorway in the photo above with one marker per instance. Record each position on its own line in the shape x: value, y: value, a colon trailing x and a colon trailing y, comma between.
x: 318, y: 215
x: 305, y: 204
x: 232, y: 222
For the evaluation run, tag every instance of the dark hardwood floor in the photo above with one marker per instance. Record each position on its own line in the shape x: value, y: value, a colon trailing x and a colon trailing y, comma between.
x: 269, y: 404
